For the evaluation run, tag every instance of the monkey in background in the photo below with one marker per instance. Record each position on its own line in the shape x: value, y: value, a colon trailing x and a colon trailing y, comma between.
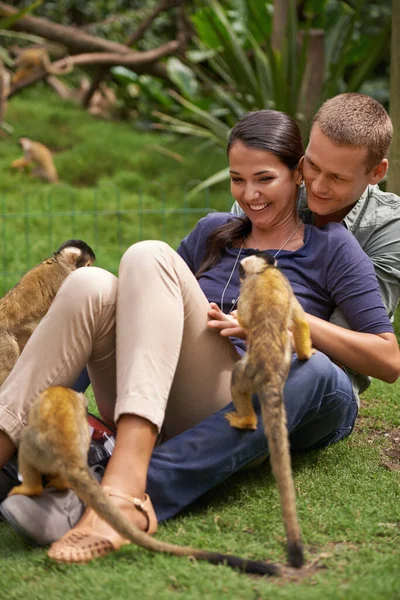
x: 102, y: 102
x: 26, y: 303
x: 33, y: 58
x: 267, y: 309
x: 35, y: 152
x: 55, y: 443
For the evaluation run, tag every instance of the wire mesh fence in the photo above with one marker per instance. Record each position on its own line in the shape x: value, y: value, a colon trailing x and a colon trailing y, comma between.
x: 107, y: 219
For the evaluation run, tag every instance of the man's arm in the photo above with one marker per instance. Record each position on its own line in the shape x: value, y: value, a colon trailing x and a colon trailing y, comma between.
x: 383, y: 248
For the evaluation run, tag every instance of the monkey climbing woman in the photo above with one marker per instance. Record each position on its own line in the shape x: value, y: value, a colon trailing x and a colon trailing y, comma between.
x: 160, y: 361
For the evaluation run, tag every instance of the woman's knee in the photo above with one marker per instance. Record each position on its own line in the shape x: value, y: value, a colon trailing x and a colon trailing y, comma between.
x: 142, y: 255
x: 89, y: 283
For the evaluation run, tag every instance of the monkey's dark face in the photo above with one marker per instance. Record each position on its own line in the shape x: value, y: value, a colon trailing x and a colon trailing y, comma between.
x: 256, y: 264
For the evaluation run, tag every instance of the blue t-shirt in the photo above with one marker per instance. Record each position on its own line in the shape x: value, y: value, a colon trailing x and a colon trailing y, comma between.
x: 330, y: 270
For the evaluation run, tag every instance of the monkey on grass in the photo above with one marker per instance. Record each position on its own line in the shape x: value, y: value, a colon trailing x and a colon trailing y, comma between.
x: 28, y: 301
x: 267, y: 309
x: 40, y: 155
x: 55, y: 442
x: 33, y: 58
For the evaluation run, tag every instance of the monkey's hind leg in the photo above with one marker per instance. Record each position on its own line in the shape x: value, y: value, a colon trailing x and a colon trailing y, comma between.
x: 244, y: 417
x: 31, y: 478
x: 20, y: 163
x: 301, y: 332
x: 9, y: 353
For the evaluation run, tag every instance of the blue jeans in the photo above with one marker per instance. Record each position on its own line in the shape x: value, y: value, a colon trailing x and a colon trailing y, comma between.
x: 321, y: 409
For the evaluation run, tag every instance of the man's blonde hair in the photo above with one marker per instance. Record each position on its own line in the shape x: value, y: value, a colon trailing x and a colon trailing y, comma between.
x: 357, y: 120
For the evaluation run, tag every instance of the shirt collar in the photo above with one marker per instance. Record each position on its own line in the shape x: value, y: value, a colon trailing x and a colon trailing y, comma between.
x: 356, y: 212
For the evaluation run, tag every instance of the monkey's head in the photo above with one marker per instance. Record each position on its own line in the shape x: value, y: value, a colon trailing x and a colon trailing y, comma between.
x: 256, y: 264
x: 76, y: 254
x: 25, y: 143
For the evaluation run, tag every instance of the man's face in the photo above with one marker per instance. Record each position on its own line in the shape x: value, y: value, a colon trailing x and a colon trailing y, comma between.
x: 335, y: 175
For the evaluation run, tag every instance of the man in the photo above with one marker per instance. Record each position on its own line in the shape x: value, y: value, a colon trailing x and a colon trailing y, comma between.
x: 345, y: 159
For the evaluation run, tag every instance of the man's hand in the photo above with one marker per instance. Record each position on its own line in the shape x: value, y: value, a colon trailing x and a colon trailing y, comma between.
x: 227, y: 325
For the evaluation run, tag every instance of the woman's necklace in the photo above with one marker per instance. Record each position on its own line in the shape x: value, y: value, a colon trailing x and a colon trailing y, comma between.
x: 234, y: 301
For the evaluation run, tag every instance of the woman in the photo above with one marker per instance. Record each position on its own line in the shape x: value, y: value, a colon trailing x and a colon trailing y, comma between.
x: 158, y: 366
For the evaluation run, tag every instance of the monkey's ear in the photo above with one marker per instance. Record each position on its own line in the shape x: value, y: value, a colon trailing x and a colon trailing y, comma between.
x: 71, y: 255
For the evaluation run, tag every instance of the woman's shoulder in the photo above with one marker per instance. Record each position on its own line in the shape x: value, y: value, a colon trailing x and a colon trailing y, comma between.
x: 337, y: 244
x: 333, y: 233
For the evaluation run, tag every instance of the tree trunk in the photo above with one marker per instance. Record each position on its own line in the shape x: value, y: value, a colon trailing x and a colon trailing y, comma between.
x: 393, y: 182
x: 313, y: 78
x: 279, y: 23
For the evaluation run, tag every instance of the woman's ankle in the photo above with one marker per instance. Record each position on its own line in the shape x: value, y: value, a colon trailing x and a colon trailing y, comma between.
x: 130, y: 511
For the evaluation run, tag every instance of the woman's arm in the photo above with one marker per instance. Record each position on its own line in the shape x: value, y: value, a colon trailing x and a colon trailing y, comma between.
x: 376, y: 355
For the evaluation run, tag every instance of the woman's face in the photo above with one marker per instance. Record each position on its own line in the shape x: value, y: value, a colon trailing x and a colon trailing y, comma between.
x: 265, y: 188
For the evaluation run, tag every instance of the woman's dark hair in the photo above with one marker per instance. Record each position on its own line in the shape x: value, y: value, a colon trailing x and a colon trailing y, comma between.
x: 269, y: 130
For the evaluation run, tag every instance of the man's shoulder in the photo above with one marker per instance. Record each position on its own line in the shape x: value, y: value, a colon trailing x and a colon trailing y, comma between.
x: 374, y: 209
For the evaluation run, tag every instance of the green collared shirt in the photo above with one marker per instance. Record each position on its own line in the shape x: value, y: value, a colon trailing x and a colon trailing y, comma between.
x: 375, y: 222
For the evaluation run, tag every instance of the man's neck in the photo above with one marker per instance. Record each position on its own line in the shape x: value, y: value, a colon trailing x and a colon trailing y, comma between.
x: 337, y: 217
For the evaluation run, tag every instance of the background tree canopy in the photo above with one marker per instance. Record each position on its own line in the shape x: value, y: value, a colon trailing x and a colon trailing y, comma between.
x: 194, y: 68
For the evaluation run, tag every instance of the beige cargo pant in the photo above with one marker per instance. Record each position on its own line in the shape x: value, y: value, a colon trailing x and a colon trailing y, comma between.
x: 143, y: 338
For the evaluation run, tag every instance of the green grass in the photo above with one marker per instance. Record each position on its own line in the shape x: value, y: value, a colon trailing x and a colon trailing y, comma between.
x: 348, y: 495
x: 107, y: 168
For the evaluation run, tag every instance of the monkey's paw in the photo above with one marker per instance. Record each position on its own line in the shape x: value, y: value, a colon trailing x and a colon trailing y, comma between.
x: 307, y: 355
x: 247, y: 422
x: 25, y: 490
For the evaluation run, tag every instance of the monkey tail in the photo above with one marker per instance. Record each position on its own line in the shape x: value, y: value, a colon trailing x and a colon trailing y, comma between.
x: 90, y: 491
x: 274, y: 419
x: 69, y: 65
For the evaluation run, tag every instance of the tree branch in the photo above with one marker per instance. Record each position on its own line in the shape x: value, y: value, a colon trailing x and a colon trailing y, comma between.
x: 76, y: 40
x: 134, y: 60
x: 130, y: 41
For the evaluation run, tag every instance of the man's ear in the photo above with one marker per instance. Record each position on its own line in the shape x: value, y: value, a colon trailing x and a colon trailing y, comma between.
x: 299, y: 171
x: 378, y: 172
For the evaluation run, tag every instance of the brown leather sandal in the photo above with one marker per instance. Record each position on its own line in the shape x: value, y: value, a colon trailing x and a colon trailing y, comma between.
x: 87, y: 541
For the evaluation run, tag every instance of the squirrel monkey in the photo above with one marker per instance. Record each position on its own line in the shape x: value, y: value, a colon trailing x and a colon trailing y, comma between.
x: 35, y: 152
x: 27, y: 302
x: 56, y: 442
x: 267, y: 308
x: 33, y: 58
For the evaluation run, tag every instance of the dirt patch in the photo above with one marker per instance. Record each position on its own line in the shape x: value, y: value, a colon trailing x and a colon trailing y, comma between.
x: 315, y: 563
x: 391, y: 455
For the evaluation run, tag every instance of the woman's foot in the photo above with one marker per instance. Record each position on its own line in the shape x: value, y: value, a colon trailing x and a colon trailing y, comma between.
x: 92, y: 537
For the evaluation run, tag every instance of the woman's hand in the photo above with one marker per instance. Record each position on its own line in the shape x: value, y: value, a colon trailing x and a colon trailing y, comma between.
x: 227, y: 325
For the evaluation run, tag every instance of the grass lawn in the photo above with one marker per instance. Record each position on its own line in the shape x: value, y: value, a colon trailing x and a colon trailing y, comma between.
x: 348, y: 495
